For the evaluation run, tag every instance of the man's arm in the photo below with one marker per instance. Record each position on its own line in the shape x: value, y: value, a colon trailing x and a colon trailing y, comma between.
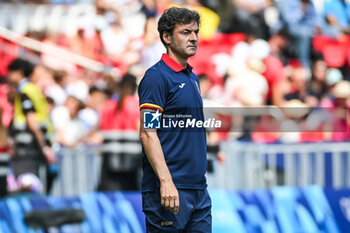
x: 252, y: 8
x: 3, y: 133
x: 39, y: 136
x: 33, y: 125
x: 154, y: 152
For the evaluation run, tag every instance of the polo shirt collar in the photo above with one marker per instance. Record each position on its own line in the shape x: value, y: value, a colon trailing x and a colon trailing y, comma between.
x: 22, y: 83
x: 173, y: 64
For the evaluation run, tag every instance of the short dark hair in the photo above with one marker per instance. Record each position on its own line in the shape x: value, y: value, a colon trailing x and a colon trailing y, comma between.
x: 128, y: 81
x: 203, y: 77
x: 100, y: 89
x: 59, y: 75
x: 21, y: 65
x: 173, y: 16
x: 127, y: 86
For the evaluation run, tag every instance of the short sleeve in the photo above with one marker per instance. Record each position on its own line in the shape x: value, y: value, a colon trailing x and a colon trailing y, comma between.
x: 27, y: 104
x: 60, y: 117
x: 152, y: 91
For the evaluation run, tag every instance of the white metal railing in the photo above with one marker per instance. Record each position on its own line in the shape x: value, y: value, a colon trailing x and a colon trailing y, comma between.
x: 248, y: 166
x: 78, y: 171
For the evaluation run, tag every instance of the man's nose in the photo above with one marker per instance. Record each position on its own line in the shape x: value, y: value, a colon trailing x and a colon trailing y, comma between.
x: 194, y: 36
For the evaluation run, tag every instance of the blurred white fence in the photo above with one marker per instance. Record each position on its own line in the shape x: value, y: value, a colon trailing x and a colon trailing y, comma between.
x: 78, y: 171
x: 252, y: 166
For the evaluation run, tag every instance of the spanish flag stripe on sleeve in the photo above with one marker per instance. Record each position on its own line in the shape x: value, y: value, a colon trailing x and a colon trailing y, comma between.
x: 153, y: 106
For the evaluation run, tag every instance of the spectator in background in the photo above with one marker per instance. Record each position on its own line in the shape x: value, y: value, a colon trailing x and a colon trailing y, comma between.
x: 4, y: 148
x: 120, y: 115
x: 298, y: 88
x: 101, y: 6
x: 247, y: 60
x: 247, y: 87
x: 82, y: 42
x: 114, y: 33
x: 333, y: 76
x: 337, y: 16
x: 149, y: 8
x: 341, y: 123
x: 90, y: 117
x: 152, y: 46
x: 271, y: 14
x: 250, y: 13
x: 205, y: 84
x: 4, y: 144
x: 302, y: 22
x: 213, y: 140
x: 274, y: 72
x: 252, y: 46
x: 57, y: 90
x: 226, y: 11
x: 133, y: 20
x: 6, y: 98
x: 41, y: 77
x: 292, y: 127
x: 31, y: 126
x: 210, y: 22
x: 162, y: 5
x: 96, y: 41
x: 317, y: 86
x: 68, y: 127
x: 121, y: 52
x: 79, y: 87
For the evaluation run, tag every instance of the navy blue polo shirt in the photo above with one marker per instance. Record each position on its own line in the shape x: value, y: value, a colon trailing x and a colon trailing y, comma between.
x: 173, y: 89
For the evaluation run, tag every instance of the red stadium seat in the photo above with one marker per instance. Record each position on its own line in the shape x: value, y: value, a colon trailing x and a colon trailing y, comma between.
x: 220, y: 43
x: 335, y: 52
x: 7, y: 56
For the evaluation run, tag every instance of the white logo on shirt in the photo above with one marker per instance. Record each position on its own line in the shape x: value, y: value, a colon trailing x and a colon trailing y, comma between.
x: 182, y: 85
x: 27, y: 104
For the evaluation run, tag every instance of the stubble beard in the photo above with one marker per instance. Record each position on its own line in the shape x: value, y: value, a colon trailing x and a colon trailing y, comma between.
x: 183, y: 52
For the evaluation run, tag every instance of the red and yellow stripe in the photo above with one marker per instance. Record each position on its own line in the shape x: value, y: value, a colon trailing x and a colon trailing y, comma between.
x: 153, y: 106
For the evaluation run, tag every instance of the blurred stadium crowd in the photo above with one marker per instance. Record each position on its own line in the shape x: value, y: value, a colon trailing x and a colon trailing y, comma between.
x: 290, y: 54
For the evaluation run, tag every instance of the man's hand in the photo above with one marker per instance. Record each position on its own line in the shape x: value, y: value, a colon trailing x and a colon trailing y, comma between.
x: 49, y: 155
x: 169, y: 196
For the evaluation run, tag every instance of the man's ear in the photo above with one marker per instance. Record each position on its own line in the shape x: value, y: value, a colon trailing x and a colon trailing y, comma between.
x: 167, y: 37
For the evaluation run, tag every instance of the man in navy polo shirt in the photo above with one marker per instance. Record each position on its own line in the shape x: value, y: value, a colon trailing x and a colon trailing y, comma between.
x: 175, y: 198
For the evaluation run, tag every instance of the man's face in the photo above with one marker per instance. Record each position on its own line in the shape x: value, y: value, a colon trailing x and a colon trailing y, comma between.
x: 72, y: 105
x: 97, y: 99
x: 15, y: 77
x: 184, y: 40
